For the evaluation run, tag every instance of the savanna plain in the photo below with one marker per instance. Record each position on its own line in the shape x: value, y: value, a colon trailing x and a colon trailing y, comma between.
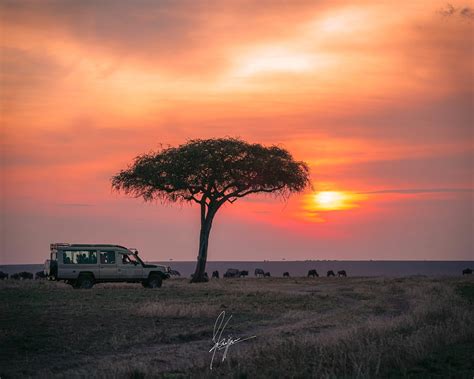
x: 304, y: 327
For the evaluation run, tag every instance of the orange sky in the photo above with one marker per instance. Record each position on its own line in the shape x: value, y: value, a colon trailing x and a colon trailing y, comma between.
x: 377, y: 97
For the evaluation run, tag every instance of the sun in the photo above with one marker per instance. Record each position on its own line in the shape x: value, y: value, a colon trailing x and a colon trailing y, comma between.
x: 317, y: 206
x: 329, y: 200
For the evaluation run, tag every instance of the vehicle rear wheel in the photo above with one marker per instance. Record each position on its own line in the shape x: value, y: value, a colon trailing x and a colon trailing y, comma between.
x: 84, y: 282
x: 154, y: 281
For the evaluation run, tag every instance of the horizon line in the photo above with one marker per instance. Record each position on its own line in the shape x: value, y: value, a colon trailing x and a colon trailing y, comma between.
x: 305, y: 260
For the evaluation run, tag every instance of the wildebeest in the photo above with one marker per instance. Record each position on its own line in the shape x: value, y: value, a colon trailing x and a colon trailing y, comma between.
x: 243, y: 273
x: 22, y: 275
x: 312, y: 273
x: 342, y: 273
x: 26, y: 275
x: 3, y: 275
x: 215, y: 274
x: 467, y: 271
x: 286, y: 274
x: 266, y: 274
x: 330, y: 273
x: 40, y: 275
x: 259, y: 272
x: 232, y: 273
x: 175, y: 273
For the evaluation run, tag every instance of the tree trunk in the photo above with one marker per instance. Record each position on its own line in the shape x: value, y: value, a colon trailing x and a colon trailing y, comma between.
x: 206, y: 224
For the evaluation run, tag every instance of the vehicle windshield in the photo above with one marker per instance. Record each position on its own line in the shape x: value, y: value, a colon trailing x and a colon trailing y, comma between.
x: 138, y: 259
x: 131, y: 259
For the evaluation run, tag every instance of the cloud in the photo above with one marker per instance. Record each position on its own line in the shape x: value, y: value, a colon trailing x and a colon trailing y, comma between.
x: 467, y: 12
x: 176, y: 36
x: 450, y: 10
x: 372, y: 94
x: 74, y: 205
x: 420, y: 191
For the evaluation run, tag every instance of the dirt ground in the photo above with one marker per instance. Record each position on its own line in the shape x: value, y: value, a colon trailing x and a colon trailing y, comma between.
x: 304, y: 327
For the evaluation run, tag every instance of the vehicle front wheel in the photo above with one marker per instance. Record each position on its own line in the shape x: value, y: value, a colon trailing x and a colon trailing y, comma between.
x: 84, y: 281
x: 154, y: 281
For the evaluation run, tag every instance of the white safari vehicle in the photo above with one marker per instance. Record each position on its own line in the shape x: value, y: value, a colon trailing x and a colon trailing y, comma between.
x: 84, y: 265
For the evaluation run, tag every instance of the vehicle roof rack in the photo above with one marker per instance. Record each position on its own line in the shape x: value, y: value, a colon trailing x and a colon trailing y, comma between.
x: 58, y: 244
x: 61, y: 244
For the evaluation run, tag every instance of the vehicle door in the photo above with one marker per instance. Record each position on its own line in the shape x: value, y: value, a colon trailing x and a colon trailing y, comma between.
x: 108, y: 265
x: 129, y: 268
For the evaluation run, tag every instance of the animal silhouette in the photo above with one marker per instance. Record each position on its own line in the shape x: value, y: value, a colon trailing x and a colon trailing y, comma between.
x: 342, y: 273
x: 313, y: 273
x: 22, y: 275
x: 259, y: 272
x: 40, y: 275
x: 232, y: 273
x: 243, y: 274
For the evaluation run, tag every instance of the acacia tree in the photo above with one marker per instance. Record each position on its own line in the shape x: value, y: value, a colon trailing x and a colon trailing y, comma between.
x: 212, y: 172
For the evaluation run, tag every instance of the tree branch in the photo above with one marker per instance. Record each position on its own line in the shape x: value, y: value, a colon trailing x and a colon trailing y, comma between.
x: 203, y: 212
x: 192, y: 197
x: 260, y: 190
x: 237, y: 194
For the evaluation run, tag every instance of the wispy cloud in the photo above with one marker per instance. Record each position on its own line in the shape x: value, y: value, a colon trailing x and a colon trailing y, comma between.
x: 74, y: 205
x: 450, y: 10
x: 419, y: 190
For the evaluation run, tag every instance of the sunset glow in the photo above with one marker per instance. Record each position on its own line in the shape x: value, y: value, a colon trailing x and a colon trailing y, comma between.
x: 375, y: 96
x: 330, y: 200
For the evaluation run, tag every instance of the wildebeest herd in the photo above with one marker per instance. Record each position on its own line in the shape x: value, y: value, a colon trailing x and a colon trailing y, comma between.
x: 22, y: 275
x: 259, y: 273
x: 230, y: 273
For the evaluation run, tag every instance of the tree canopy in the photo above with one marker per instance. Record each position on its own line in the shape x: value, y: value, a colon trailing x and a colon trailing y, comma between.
x: 222, y: 169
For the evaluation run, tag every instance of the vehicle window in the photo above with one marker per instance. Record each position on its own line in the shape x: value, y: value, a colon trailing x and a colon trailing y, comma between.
x: 79, y: 257
x: 107, y: 257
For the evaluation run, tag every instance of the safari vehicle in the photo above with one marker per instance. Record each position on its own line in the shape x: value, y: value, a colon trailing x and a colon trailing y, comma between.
x: 82, y: 266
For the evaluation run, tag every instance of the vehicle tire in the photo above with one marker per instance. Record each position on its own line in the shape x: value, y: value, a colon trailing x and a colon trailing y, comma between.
x: 84, y: 282
x: 154, y: 281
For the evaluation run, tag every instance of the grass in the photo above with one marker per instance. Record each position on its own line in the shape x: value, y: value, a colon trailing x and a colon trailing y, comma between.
x: 323, y: 327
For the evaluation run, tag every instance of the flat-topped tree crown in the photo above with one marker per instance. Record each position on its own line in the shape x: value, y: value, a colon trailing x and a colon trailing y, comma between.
x: 212, y: 172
